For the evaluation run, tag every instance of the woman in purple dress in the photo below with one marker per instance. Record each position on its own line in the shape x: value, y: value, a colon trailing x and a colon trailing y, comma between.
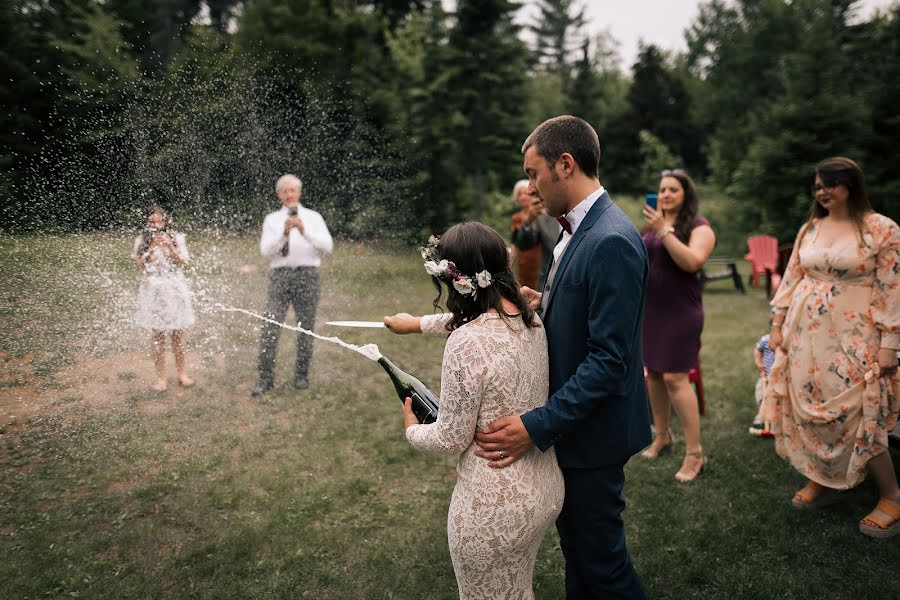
x: 678, y: 243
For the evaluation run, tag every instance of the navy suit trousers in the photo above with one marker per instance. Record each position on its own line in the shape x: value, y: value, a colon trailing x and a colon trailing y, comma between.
x: 592, y: 536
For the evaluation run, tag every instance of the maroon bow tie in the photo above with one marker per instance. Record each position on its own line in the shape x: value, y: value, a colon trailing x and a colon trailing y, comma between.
x: 567, y: 227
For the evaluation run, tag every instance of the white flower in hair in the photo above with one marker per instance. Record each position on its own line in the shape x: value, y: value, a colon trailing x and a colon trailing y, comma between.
x: 463, y: 286
x: 433, y: 240
x: 436, y: 268
x: 484, y: 279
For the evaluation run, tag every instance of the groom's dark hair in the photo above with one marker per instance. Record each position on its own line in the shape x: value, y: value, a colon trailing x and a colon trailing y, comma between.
x: 567, y: 134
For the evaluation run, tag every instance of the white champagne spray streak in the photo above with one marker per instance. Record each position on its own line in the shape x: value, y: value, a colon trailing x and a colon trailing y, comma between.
x: 370, y: 351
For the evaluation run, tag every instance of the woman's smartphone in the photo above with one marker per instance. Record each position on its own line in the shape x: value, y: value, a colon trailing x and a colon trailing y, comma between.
x: 651, y: 200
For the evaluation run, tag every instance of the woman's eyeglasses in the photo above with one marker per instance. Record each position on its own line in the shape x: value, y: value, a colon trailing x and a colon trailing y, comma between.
x: 669, y: 172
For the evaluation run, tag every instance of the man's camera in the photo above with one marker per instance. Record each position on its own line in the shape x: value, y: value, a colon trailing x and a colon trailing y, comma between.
x: 292, y: 211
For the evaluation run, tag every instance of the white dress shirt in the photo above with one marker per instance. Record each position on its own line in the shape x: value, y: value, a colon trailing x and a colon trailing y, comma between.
x: 304, y: 249
x: 575, y: 217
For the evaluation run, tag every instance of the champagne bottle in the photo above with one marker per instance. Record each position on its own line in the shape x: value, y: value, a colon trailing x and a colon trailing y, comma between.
x: 424, y: 404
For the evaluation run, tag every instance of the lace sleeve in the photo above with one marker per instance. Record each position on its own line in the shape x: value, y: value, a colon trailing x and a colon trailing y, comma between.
x: 435, y: 325
x: 462, y: 374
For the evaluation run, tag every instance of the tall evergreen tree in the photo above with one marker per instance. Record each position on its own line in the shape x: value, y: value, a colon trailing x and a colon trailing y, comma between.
x: 881, y: 160
x: 27, y: 105
x: 583, y: 101
x: 154, y: 28
x: 776, y: 76
x: 558, y: 36
x: 422, y: 58
x: 660, y: 104
x: 486, y: 64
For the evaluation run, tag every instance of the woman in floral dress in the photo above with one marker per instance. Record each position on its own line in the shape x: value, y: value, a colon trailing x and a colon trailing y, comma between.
x: 833, y: 390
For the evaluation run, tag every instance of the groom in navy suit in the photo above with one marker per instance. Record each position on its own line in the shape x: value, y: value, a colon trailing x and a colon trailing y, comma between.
x: 592, y: 302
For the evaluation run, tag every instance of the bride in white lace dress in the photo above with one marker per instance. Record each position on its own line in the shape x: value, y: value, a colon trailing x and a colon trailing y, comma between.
x: 495, y: 364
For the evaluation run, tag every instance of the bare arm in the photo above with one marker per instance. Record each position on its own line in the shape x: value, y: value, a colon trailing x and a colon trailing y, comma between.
x: 689, y: 257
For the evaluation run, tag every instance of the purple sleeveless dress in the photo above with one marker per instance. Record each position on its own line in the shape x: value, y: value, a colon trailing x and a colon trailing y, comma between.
x: 673, y: 311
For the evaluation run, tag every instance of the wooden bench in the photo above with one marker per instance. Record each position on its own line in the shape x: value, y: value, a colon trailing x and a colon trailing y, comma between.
x: 721, y: 268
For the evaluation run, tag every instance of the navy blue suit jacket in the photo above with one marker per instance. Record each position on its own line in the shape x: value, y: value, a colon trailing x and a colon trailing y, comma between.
x: 597, y: 414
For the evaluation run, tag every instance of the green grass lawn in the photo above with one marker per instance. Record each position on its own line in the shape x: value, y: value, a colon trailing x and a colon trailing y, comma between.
x: 109, y: 490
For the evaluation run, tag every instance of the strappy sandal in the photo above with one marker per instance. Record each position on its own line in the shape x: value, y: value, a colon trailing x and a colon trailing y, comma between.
x: 683, y: 476
x: 885, y: 520
x: 814, y: 495
x: 649, y: 455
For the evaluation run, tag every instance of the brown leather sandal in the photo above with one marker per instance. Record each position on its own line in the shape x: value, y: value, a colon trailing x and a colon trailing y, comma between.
x: 883, y: 522
x: 814, y: 495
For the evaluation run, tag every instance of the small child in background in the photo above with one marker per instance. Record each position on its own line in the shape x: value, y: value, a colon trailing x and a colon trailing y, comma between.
x: 164, y: 296
x: 763, y: 356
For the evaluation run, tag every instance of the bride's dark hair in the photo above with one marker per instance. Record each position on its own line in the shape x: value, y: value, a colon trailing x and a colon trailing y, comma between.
x: 473, y: 248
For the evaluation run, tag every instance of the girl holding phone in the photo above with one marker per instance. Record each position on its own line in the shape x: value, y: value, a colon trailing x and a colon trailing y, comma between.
x: 164, y: 296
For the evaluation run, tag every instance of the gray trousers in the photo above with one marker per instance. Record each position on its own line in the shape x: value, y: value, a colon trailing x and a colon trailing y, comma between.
x: 299, y: 287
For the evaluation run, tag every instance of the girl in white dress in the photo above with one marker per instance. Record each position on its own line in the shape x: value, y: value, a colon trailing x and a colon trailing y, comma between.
x: 495, y: 364
x: 164, y: 296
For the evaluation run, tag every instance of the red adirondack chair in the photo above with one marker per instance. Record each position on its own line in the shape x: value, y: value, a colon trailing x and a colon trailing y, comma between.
x: 763, y: 258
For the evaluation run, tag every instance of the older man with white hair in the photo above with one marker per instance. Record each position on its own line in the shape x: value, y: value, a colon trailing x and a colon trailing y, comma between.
x: 293, y: 238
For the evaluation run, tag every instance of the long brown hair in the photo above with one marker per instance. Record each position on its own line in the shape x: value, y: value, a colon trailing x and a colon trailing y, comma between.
x: 475, y: 247
x: 690, y: 208
x: 840, y: 170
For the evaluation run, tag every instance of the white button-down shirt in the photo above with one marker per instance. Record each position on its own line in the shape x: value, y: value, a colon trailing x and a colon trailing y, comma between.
x: 575, y: 217
x: 304, y: 250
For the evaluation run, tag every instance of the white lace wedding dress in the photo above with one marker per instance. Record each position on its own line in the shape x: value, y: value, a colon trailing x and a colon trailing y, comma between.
x: 492, y: 368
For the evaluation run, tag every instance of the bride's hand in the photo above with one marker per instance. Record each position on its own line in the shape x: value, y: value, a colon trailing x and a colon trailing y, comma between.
x: 409, y: 417
x: 404, y: 323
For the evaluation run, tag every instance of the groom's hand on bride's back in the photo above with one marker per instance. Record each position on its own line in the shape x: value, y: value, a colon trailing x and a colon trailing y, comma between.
x: 503, y: 441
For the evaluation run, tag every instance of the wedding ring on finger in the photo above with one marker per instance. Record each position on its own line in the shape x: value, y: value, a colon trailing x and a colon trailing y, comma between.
x: 502, y: 456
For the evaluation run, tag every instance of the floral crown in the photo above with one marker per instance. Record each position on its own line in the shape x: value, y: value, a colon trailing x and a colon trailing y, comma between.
x: 445, y: 269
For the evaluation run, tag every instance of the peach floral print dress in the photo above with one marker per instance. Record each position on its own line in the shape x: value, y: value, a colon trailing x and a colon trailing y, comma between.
x: 829, y: 407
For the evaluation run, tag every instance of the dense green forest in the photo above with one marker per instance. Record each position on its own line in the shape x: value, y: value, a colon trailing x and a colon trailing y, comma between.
x: 403, y: 116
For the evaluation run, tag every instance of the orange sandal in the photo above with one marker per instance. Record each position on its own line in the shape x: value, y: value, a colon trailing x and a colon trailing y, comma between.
x: 883, y: 522
x: 814, y: 495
